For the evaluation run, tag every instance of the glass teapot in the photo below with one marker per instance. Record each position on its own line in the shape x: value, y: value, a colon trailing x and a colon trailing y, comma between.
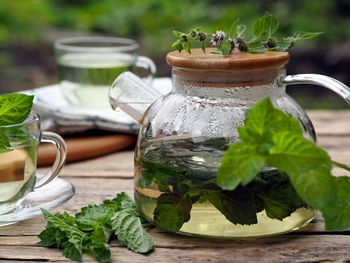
x: 184, y: 134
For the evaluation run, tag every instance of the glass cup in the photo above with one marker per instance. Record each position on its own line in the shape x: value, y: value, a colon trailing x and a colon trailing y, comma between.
x: 87, y: 67
x: 18, y: 161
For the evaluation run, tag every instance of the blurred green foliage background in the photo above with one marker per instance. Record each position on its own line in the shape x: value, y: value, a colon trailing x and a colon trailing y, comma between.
x: 28, y: 29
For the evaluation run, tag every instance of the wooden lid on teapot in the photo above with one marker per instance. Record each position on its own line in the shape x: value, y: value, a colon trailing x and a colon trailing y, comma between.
x: 237, y: 60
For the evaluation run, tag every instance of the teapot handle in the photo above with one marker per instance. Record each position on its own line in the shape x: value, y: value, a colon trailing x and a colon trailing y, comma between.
x: 340, y: 88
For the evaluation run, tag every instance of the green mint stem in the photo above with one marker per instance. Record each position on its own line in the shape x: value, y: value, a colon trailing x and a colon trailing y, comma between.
x: 341, y: 165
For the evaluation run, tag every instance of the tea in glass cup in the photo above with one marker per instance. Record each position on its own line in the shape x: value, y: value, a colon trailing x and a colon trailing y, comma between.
x: 87, y: 67
x: 18, y: 161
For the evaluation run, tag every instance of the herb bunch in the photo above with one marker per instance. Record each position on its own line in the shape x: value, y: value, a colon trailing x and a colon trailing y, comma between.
x: 225, y: 42
x: 91, y: 230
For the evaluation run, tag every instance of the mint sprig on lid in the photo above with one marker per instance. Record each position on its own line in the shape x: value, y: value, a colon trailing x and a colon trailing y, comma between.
x: 264, y: 38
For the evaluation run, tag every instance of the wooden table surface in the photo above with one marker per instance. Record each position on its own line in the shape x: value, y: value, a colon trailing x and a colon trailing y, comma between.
x: 102, y: 178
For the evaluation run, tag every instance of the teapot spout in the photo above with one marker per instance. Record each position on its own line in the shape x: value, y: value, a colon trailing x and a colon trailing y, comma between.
x: 132, y: 95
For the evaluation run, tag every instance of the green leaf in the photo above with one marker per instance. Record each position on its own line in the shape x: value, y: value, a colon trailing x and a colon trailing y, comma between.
x: 270, y: 138
x: 72, y: 251
x: 101, y: 251
x: 177, y: 45
x: 278, y: 196
x: 240, y: 30
x: 4, y: 143
x: 265, y: 26
x: 216, y: 51
x: 74, y: 237
x: 225, y: 47
x: 187, y: 46
x: 130, y: 232
x: 256, y: 46
x: 283, y: 44
x: 239, y: 165
x: 309, y: 168
x: 92, y: 216
x: 203, y: 46
x: 14, y: 108
x: 121, y: 202
x: 172, y: 211
x: 337, y: 213
x: 178, y: 33
x: 306, y: 35
x: 96, y: 244
x: 263, y: 120
x: 48, y: 238
x: 237, y: 206
x: 233, y: 29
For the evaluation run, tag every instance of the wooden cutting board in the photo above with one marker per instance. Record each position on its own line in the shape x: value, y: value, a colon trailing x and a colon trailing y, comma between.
x: 86, y: 147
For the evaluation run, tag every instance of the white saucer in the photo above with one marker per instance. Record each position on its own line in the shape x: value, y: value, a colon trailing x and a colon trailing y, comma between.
x: 47, y: 197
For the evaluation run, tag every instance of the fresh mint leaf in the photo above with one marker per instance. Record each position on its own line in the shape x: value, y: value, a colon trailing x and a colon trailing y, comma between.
x: 233, y: 29
x: 101, y: 251
x: 225, y: 48
x: 309, y: 168
x: 307, y: 165
x: 178, y: 33
x: 172, y: 211
x: 237, y: 206
x: 262, y: 121
x: 284, y: 44
x: 240, y: 164
x: 279, y: 198
x: 187, y: 46
x: 92, y: 216
x: 306, y: 35
x: 241, y: 30
x: 14, y: 108
x: 275, y: 139
x: 121, y: 202
x: 177, y: 45
x: 337, y: 214
x: 265, y: 26
x: 4, y: 143
x: 97, y: 244
x: 71, y: 238
x: 256, y: 46
x: 130, y: 232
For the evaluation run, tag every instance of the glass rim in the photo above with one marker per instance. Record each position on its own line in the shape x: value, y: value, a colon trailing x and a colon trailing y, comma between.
x: 122, y: 44
x: 32, y: 118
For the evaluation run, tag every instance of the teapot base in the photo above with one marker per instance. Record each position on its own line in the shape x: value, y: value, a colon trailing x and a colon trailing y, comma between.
x: 207, y: 221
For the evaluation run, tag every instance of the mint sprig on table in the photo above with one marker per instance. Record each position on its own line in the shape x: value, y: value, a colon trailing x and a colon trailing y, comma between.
x: 14, y: 109
x: 264, y: 38
x: 91, y: 230
x: 270, y: 138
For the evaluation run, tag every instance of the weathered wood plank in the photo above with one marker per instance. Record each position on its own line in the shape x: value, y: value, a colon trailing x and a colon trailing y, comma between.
x: 331, y: 122
x: 325, y: 248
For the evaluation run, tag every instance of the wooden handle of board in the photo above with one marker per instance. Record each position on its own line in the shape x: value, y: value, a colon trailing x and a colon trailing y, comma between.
x: 82, y: 148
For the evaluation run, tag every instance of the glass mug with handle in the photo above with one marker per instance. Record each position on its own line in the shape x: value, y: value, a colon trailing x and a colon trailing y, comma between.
x: 87, y: 67
x: 18, y: 161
